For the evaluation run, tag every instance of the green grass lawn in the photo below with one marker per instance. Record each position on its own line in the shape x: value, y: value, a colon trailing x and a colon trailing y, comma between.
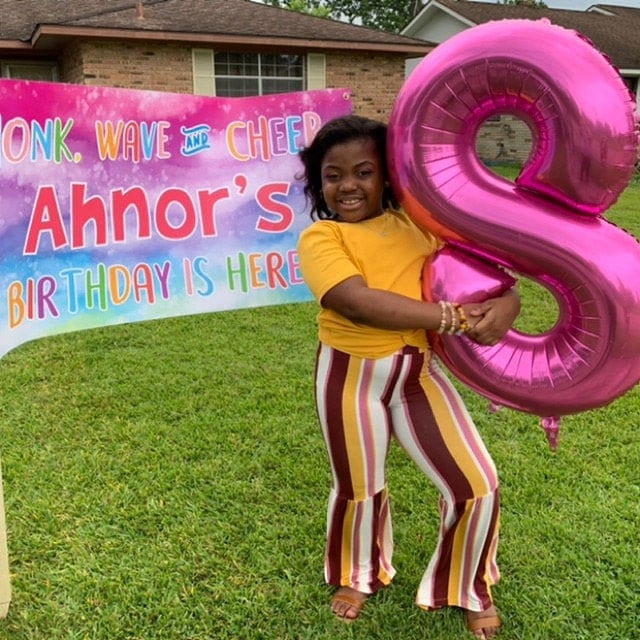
x: 167, y: 480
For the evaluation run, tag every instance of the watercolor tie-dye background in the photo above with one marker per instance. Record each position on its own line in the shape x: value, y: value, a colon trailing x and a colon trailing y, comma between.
x: 120, y: 206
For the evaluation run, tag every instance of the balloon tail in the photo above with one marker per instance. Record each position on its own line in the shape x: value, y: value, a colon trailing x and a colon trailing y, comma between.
x: 551, y: 426
x: 494, y: 407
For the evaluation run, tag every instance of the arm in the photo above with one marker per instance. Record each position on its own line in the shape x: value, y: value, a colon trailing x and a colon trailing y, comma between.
x: 354, y: 300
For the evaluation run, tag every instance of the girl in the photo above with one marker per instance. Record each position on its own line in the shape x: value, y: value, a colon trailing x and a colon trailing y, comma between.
x: 375, y: 378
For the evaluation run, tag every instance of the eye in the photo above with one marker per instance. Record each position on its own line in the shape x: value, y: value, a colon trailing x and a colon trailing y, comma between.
x: 365, y: 173
x: 331, y: 177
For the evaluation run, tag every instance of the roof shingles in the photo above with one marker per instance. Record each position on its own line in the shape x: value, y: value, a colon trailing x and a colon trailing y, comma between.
x: 614, y: 30
x: 242, y: 18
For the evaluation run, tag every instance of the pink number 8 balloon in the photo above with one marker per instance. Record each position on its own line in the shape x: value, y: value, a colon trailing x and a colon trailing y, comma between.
x: 546, y: 226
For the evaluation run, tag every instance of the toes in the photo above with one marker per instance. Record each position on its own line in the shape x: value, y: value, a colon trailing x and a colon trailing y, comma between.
x: 341, y: 609
x: 483, y: 624
x: 345, y: 611
x: 347, y: 603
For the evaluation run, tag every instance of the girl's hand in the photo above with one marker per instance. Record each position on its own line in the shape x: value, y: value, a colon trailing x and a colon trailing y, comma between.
x: 490, y: 320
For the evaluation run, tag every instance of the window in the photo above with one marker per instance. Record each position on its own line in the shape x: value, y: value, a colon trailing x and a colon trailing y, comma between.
x: 257, y: 74
x: 632, y: 83
x: 31, y: 70
x: 232, y: 75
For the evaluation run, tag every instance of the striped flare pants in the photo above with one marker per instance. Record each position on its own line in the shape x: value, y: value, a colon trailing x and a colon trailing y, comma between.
x: 361, y: 403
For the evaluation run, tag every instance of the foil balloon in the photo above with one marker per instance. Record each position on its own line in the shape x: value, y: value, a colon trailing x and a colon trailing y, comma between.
x: 546, y: 226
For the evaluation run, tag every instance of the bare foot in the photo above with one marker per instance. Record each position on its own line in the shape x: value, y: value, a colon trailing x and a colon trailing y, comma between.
x: 483, y: 624
x: 347, y: 603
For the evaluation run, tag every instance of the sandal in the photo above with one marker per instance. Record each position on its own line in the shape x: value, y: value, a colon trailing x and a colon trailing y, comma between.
x: 347, y: 599
x: 479, y: 622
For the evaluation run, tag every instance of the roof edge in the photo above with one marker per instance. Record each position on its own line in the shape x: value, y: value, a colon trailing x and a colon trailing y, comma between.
x: 427, y: 10
x: 44, y: 33
x: 15, y: 44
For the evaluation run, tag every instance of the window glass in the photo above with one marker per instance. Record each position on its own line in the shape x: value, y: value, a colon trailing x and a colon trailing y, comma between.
x: 251, y: 74
x: 237, y: 87
x: 46, y: 71
x: 279, y: 86
x: 632, y: 83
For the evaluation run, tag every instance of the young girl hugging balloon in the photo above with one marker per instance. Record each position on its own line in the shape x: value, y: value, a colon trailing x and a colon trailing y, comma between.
x: 375, y: 378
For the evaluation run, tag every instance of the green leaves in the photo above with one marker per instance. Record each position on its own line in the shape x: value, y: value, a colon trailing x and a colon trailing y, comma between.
x: 388, y: 16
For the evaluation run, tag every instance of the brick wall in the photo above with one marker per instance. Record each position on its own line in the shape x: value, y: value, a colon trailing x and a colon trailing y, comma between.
x: 114, y: 63
x: 373, y: 79
x: 506, y: 139
x: 70, y: 64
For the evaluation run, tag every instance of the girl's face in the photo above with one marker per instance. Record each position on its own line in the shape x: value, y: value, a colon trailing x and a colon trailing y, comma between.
x: 353, y: 180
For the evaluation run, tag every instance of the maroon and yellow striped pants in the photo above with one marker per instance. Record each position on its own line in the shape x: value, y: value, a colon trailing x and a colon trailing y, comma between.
x: 361, y: 404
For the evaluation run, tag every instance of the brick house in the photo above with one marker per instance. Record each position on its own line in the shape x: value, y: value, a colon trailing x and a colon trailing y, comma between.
x: 612, y: 29
x: 209, y: 47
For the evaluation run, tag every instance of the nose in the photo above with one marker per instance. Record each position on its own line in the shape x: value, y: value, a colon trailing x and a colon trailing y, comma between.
x: 347, y: 183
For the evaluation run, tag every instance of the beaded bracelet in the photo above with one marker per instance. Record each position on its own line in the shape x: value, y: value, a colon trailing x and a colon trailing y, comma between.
x: 452, y: 318
x: 463, y: 325
x: 454, y: 325
x: 443, y: 316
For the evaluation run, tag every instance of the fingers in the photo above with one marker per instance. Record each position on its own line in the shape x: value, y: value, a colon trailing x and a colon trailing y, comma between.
x: 488, y: 340
x: 485, y: 330
x: 479, y: 310
x: 487, y: 326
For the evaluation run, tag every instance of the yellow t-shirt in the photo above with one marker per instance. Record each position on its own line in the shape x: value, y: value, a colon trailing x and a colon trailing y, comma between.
x: 389, y: 252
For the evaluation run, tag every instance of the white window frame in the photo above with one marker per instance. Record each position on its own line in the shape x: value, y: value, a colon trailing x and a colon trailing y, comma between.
x: 633, y: 74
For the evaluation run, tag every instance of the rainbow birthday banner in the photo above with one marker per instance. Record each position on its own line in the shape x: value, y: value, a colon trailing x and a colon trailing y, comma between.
x: 120, y: 206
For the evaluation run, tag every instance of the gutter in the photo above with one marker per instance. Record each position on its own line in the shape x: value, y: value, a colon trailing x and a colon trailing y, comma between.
x: 15, y: 45
x: 44, y: 36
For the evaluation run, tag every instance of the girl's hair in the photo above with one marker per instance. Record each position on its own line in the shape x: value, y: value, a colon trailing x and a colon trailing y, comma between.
x: 339, y: 131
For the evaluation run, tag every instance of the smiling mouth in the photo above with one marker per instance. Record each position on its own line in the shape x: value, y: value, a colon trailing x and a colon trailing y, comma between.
x: 350, y: 202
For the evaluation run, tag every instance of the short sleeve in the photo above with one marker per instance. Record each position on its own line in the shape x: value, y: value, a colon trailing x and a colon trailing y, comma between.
x: 324, y: 259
